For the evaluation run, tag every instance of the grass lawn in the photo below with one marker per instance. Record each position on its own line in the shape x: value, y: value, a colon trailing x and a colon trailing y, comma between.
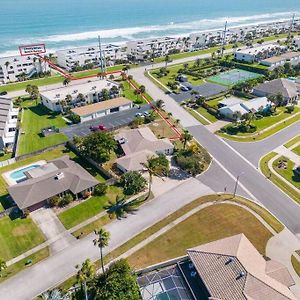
x: 21, y: 265
x: 34, y: 119
x: 18, y: 236
x: 197, y: 116
x: 87, y: 209
x: 162, y: 129
x: 5, y: 156
x: 39, y: 82
x: 275, y: 179
x: 292, y: 142
x: 296, y: 264
x: 261, y: 136
x: 202, y: 111
x: 297, y: 150
x: 210, y: 224
x: 287, y: 173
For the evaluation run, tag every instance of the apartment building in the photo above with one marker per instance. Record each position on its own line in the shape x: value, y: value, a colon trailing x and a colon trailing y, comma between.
x: 256, y: 54
x: 77, y: 95
x: 290, y: 57
x: 80, y: 57
x: 8, y: 123
x: 14, y: 68
x: 155, y: 47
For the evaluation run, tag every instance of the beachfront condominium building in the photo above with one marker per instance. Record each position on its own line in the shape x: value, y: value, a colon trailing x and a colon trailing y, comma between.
x: 151, y: 48
x: 14, y: 68
x: 292, y: 58
x: 256, y: 54
x: 8, y: 123
x: 77, y: 95
x: 88, y: 56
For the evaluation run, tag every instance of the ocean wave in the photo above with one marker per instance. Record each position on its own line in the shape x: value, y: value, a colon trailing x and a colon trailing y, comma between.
x: 202, y: 24
x: 119, y: 35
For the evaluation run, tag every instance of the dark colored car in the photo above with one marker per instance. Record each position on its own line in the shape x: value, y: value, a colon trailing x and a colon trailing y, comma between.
x: 3, y: 93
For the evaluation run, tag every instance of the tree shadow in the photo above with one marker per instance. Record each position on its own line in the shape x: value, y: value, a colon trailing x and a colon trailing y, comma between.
x: 6, y: 201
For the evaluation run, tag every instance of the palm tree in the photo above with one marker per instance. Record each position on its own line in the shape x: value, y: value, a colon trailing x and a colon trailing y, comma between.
x: 6, y: 65
x: 185, y: 137
x: 167, y: 58
x: 85, y: 273
x: 154, y: 168
x: 101, y: 241
x: 3, y: 266
x: 121, y: 207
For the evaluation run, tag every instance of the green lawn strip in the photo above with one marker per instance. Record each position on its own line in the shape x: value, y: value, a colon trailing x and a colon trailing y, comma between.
x: 197, y: 116
x: 206, y: 114
x: 5, y: 156
x: 18, y: 236
x: 275, y: 179
x: 88, y: 208
x: 39, y: 82
x: 273, y: 222
x: 21, y: 265
x: 296, y: 264
x: 210, y: 224
x: 34, y: 119
x: 297, y: 150
x: 287, y: 173
x: 292, y: 142
x: 298, y: 252
x: 263, y: 135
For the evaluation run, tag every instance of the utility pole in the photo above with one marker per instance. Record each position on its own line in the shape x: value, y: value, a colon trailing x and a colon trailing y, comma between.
x: 291, y: 26
x: 224, y: 38
x: 101, y: 57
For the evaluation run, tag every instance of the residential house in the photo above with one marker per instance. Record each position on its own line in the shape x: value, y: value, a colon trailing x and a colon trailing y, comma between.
x: 76, y: 95
x: 101, y: 109
x: 55, y: 178
x: 226, y: 269
x: 139, y: 144
x: 8, y: 123
x: 287, y: 88
x: 231, y: 106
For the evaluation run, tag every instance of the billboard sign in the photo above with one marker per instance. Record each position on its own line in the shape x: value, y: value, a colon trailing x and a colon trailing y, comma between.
x: 32, y: 49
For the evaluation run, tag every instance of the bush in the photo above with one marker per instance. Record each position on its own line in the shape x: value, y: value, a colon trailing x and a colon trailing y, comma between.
x: 54, y: 201
x: 290, y: 109
x: 100, y: 189
x: 133, y: 182
x: 65, y: 200
x: 74, y: 118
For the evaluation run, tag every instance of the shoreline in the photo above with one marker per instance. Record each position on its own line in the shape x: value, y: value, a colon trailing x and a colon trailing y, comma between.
x: 268, y: 23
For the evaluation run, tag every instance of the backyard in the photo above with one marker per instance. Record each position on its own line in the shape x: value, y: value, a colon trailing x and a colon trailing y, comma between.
x: 211, y: 223
x: 35, y: 117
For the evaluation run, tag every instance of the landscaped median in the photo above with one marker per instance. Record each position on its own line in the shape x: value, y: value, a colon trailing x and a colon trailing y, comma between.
x: 225, y: 214
x: 264, y: 167
x: 296, y: 264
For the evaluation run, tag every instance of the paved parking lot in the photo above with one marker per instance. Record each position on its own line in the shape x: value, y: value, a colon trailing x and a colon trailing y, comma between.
x: 109, y: 121
x: 205, y: 90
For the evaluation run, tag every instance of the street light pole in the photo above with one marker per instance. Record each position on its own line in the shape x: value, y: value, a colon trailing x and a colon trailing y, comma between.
x: 237, y: 183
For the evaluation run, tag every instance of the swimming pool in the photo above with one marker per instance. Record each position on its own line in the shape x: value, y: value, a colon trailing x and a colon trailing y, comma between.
x: 19, y: 175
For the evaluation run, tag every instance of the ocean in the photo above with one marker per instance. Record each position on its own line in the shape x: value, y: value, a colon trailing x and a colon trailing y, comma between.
x: 69, y: 23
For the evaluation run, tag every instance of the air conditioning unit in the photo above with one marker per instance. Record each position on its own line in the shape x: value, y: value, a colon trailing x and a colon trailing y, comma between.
x: 59, y: 176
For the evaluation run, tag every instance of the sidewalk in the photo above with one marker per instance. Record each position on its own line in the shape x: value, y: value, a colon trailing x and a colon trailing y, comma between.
x: 287, y: 152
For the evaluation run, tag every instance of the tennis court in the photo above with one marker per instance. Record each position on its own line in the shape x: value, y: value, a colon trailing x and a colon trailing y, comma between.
x: 233, y: 77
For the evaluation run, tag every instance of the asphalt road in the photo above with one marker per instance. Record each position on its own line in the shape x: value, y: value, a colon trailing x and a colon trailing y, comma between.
x: 110, y: 121
x: 233, y: 163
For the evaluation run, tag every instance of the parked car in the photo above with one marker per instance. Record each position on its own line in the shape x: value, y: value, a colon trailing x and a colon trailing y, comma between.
x: 184, y: 88
x: 139, y: 115
x: 146, y: 114
x: 100, y: 127
x: 3, y: 93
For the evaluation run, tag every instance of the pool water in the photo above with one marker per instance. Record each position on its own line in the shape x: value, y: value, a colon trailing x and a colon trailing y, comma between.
x: 19, y: 175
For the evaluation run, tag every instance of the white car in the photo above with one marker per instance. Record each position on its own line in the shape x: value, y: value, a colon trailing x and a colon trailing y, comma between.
x: 146, y: 114
x: 139, y: 115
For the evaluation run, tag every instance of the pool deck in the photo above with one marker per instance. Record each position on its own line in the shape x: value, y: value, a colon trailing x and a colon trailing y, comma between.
x: 11, y: 181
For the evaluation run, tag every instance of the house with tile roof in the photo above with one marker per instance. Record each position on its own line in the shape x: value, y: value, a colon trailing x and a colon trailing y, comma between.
x: 227, y: 269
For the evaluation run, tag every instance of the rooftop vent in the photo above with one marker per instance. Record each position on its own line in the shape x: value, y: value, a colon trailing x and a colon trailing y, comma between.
x: 230, y: 259
x: 191, y: 265
x: 59, y: 176
x: 193, y: 274
x: 241, y: 275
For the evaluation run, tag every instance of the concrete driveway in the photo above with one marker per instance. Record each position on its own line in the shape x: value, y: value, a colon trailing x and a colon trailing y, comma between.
x: 53, y: 229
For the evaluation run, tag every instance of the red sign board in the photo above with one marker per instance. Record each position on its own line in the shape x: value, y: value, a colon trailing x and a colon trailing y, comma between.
x: 32, y: 49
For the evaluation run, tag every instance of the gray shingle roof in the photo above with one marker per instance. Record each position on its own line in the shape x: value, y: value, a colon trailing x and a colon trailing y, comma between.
x: 39, y: 188
x: 286, y: 87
